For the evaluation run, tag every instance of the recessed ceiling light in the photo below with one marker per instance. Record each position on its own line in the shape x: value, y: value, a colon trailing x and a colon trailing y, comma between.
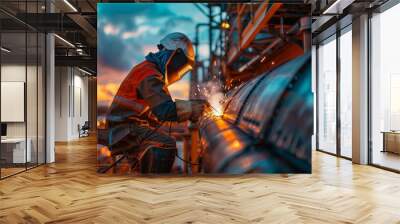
x: 64, y: 40
x: 5, y: 50
x: 338, y: 6
x: 70, y: 5
x: 84, y: 71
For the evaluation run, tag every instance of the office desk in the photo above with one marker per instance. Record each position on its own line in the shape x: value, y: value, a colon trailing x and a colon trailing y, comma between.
x: 391, y: 141
x: 13, y: 150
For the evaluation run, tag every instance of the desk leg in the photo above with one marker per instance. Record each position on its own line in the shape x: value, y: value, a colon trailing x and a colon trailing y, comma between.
x: 384, y: 143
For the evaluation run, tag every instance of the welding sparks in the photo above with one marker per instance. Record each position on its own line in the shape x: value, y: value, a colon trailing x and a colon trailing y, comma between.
x: 216, y: 104
x: 212, y: 91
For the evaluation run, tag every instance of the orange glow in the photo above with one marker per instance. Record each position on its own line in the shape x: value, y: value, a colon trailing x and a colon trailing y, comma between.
x: 236, y: 144
x: 101, y: 123
x: 124, y: 168
x: 180, y: 90
x: 105, y: 152
x: 221, y: 124
x: 106, y: 92
x: 225, y: 25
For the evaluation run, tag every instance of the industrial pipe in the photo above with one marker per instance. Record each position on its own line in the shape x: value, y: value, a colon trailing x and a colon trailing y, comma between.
x: 266, y: 126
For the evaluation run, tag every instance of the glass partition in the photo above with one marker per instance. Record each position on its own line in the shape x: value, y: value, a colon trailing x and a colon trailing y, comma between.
x: 346, y: 93
x: 31, y: 97
x: 41, y: 96
x: 327, y: 95
x: 22, y: 91
x: 13, y: 94
x: 385, y: 89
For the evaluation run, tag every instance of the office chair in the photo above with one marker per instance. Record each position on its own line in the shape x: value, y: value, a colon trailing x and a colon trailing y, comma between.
x: 84, y: 130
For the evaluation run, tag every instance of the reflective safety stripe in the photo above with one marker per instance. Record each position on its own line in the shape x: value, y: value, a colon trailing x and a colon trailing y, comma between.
x: 123, y: 108
x: 122, y: 102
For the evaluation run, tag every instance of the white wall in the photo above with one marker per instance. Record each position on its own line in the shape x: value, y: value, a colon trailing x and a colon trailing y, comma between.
x: 16, y: 73
x: 33, y: 127
x: 12, y: 73
x: 80, y: 110
x: 71, y: 102
x: 61, y: 103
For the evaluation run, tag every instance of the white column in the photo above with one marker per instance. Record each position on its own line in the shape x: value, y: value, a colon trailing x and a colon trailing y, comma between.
x: 50, y: 101
x: 360, y: 90
x: 63, y: 103
x: 50, y: 92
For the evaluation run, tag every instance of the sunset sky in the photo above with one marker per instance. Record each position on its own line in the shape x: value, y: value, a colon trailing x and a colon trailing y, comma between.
x: 127, y: 32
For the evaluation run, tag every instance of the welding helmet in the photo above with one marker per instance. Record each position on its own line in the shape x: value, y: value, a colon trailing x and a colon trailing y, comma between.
x: 181, y: 60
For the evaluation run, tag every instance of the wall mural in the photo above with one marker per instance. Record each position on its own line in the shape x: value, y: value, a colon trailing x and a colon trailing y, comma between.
x: 188, y: 89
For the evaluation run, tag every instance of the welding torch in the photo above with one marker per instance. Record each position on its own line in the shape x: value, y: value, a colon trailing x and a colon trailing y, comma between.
x: 206, y: 106
x: 209, y: 110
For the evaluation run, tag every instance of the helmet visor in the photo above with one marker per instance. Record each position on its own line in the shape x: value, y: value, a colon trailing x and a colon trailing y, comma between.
x: 177, y: 66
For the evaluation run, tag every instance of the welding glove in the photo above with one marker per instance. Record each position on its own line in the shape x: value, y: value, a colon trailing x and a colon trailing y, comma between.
x: 190, y: 109
x: 198, y: 108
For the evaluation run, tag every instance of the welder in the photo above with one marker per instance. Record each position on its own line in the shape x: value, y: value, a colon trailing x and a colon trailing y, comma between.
x: 143, y: 102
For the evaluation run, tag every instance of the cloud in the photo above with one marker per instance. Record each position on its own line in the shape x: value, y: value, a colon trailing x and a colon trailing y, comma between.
x: 204, y: 50
x: 125, y: 28
x: 138, y: 9
x: 149, y: 48
x: 131, y: 34
x: 182, y: 24
x: 112, y: 52
x: 127, y: 32
x: 108, y: 74
x: 141, y: 30
x: 110, y: 29
x: 106, y: 93
x: 140, y: 20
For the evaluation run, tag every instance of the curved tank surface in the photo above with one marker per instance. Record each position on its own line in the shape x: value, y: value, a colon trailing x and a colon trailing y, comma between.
x: 266, y: 126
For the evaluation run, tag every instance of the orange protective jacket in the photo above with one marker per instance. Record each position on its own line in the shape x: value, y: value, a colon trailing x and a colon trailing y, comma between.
x: 128, y: 101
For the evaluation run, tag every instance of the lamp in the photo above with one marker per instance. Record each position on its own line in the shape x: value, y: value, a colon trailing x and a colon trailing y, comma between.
x: 225, y: 25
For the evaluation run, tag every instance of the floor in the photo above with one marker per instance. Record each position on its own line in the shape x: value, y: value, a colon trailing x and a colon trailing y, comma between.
x: 387, y: 159
x: 13, y: 170
x: 10, y: 171
x: 71, y: 192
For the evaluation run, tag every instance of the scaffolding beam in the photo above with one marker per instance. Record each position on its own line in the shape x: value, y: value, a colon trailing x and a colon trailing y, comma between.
x: 261, y: 18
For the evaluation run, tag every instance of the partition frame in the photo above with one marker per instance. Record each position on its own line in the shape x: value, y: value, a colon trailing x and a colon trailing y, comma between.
x: 387, y: 5
x: 338, y: 33
x: 384, y: 7
x: 44, y: 93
